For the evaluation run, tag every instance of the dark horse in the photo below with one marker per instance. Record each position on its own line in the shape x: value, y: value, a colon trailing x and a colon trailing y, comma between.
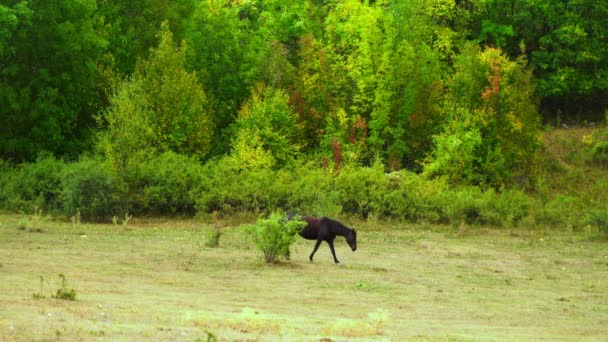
x: 326, y: 229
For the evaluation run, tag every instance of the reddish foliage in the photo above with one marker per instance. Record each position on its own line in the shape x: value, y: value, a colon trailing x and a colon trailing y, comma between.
x: 358, y: 131
x: 492, y: 91
x: 337, y: 149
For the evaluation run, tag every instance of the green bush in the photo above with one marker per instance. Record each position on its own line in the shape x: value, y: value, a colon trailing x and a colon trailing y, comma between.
x: 312, y: 191
x: 211, y: 237
x: 226, y: 189
x: 472, y: 205
x: 90, y: 188
x: 462, y: 204
x: 362, y: 189
x: 411, y: 197
x: 599, y: 144
x: 274, y: 235
x: 168, y: 184
x: 598, y: 217
x: 64, y: 292
x: 265, y: 132
x: 504, y: 209
x: 6, y: 176
x: 32, y: 185
x: 561, y: 209
x: 600, y: 152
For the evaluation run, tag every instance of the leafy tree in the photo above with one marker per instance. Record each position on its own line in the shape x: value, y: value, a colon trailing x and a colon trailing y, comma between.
x: 564, y: 41
x: 224, y: 50
x: 266, y: 132
x: 161, y: 107
x: 491, y: 120
x: 570, y: 59
x: 131, y: 26
x: 48, y: 56
x: 391, y: 78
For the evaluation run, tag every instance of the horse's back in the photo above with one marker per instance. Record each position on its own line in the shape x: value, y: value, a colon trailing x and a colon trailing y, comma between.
x: 311, y: 231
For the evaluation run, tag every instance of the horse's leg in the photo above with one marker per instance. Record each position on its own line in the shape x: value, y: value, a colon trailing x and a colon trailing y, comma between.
x: 333, y: 252
x: 315, y: 249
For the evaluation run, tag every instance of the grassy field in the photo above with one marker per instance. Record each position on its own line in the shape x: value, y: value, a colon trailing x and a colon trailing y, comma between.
x: 157, y: 280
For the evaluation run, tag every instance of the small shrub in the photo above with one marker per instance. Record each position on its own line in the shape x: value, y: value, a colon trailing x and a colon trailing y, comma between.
x: 274, y: 235
x: 32, y: 185
x: 599, y: 145
x: 461, y: 205
x: 504, y: 209
x: 362, y: 189
x: 63, y: 292
x: 560, y: 210
x: 211, y: 237
x: 312, y: 190
x: 599, y: 218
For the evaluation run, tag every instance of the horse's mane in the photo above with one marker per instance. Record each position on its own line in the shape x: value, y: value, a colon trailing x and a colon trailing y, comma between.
x: 337, y: 226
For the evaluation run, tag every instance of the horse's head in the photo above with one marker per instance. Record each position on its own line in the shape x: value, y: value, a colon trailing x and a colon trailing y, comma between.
x: 351, y: 239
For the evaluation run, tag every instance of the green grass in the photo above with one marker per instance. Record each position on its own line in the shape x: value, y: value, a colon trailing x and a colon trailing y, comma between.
x: 156, y: 280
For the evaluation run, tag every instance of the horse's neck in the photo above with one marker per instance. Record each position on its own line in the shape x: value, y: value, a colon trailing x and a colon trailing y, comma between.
x: 341, y: 230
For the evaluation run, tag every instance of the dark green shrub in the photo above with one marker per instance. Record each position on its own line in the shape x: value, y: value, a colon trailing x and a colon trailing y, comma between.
x: 168, y: 184
x: 599, y: 144
x: 598, y: 217
x: 32, y: 185
x: 362, y: 189
x: 600, y: 152
x: 504, y: 209
x: 229, y: 190
x: 312, y: 191
x: 462, y: 204
x: 411, y: 197
x: 90, y: 188
x: 6, y: 175
x: 561, y: 210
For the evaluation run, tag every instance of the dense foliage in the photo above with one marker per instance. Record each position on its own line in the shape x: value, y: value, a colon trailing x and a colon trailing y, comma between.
x: 395, y: 109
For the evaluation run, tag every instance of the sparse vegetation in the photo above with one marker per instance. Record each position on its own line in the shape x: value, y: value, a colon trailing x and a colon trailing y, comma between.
x: 64, y: 292
x: 404, y: 282
x: 211, y: 236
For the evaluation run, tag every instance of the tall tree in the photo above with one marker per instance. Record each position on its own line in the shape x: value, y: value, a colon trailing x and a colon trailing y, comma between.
x: 565, y: 42
x: 131, y: 26
x: 48, y: 76
x: 161, y: 107
x: 266, y: 133
x: 491, y: 121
